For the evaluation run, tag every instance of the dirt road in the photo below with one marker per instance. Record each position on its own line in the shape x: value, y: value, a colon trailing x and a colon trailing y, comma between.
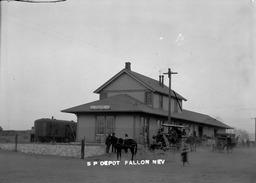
x: 205, y: 167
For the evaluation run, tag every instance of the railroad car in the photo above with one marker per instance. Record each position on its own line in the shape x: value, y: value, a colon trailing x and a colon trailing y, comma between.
x: 53, y: 130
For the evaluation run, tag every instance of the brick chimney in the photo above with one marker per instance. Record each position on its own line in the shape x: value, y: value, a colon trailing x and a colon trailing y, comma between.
x: 128, y: 65
x: 162, y: 82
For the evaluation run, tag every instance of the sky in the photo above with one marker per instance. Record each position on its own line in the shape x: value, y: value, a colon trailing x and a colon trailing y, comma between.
x: 55, y: 55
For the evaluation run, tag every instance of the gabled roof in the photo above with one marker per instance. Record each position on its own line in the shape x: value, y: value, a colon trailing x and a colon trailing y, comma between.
x: 148, y: 82
x: 126, y: 103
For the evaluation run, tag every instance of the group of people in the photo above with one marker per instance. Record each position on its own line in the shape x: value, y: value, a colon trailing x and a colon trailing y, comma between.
x: 161, y: 139
x: 111, y: 141
x: 245, y: 143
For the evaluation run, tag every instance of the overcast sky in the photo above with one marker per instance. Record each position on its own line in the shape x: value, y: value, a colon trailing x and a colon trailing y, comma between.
x: 53, y: 56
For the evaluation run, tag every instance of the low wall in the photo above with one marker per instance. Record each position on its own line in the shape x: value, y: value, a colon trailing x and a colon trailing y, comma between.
x: 68, y: 150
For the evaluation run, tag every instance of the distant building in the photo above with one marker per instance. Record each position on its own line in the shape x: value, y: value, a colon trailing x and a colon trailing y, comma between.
x: 134, y: 104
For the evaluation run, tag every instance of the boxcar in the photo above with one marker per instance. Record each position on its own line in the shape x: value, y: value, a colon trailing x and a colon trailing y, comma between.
x: 53, y: 130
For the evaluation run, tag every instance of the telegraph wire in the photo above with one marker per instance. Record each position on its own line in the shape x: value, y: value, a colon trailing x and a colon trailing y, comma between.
x: 31, y: 1
x: 44, y: 30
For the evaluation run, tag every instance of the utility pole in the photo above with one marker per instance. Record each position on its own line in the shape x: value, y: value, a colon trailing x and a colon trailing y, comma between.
x: 254, y: 131
x: 169, y: 73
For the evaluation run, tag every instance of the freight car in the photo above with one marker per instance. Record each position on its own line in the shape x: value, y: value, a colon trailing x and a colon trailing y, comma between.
x: 53, y: 130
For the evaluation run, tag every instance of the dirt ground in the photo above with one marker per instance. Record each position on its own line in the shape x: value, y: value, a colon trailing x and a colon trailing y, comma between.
x: 204, y: 167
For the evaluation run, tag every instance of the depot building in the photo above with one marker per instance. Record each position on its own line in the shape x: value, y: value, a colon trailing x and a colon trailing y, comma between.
x: 137, y: 105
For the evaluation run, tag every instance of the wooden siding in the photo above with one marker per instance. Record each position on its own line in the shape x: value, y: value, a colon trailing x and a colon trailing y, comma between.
x: 124, y: 82
x: 139, y: 95
x: 124, y: 125
x: 86, y: 124
x: 152, y: 129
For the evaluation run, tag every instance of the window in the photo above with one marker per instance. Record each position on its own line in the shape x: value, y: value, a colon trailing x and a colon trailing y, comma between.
x: 176, y: 106
x: 160, y: 101
x: 100, y: 125
x: 148, y: 99
x: 105, y: 125
x: 110, y: 124
x: 142, y: 126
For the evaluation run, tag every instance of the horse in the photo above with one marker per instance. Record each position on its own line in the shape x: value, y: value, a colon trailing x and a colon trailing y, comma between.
x: 126, y: 144
x: 191, y: 140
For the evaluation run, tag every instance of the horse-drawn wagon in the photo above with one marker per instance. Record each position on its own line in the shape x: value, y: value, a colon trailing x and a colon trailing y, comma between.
x: 170, y: 137
x: 224, y: 141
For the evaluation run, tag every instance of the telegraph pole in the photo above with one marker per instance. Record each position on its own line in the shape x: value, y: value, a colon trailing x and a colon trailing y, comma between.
x: 169, y: 73
x: 254, y: 131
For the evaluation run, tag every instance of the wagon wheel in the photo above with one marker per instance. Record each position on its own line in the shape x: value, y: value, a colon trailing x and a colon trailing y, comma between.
x: 220, y: 146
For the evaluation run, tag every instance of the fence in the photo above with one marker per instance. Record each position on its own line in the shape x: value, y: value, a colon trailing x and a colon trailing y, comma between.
x: 68, y: 150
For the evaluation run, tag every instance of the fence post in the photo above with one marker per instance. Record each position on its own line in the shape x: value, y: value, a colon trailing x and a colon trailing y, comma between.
x: 82, y: 149
x: 16, y: 142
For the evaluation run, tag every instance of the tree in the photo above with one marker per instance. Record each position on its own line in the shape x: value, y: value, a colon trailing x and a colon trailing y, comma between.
x: 1, y: 129
x: 241, y: 134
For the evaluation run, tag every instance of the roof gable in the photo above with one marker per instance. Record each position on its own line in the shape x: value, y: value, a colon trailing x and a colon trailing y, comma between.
x: 124, y: 82
x: 147, y: 82
x: 124, y: 71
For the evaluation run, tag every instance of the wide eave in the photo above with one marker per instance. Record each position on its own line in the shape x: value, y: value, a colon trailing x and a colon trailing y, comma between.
x: 125, y: 103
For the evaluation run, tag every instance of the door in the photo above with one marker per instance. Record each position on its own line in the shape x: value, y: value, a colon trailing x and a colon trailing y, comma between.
x: 200, y: 131
x: 104, y: 125
x: 144, y: 131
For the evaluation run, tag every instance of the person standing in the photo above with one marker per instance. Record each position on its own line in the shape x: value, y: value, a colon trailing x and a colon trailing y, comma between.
x: 247, y: 143
x: 113, y: 142
x: 32, y: 135
x: 108, y: 143
x: 228, y: 143
x: 184, y: 155
x: 183, y: 132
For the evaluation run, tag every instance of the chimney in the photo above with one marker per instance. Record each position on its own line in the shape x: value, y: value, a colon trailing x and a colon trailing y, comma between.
x: 162, y: 82
x: 128, y: 65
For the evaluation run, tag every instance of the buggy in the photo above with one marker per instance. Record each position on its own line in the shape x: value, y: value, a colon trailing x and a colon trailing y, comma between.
x: 224, y: 141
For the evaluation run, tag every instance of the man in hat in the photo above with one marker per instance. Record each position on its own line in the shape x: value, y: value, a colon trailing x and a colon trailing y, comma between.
x: 113, y: 142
